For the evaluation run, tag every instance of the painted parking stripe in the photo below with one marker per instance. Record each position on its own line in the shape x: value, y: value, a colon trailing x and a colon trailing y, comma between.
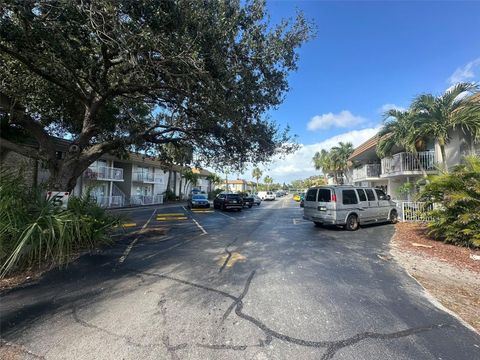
x: 172, y: 218
x: 200, y: 226
x: 130, y: 246
x: 129, y: 225
x: 171, y: 214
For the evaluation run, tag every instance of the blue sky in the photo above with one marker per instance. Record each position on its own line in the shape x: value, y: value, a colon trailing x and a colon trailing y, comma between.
x: 366, y: 56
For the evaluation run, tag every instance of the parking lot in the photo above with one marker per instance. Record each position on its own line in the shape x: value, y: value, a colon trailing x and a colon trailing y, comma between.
x: 257, y: 284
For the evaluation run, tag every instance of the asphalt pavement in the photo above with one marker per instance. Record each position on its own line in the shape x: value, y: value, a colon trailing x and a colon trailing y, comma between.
x: 256, y: 284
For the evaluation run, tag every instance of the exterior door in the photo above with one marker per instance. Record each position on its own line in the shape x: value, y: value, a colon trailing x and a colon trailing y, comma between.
x: 383, y: 204
x: 366, y: 213
x: 372, y: 204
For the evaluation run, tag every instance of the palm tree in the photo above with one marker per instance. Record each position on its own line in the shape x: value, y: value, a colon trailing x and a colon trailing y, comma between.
x: 257, y: 174
x: 268, y: 180
x: 340, y: 155
x: 398, y: 130
x: 323, y: 161
x: 437, y: 116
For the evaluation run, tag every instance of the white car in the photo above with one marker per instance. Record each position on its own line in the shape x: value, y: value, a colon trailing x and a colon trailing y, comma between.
x: 267, y: 195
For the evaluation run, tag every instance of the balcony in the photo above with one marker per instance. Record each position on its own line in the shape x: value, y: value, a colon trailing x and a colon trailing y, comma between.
x: 104, y: 173
x: 146, y: 177
x: 366, y: 172
x: 408, y: 164
x: 110, y: 201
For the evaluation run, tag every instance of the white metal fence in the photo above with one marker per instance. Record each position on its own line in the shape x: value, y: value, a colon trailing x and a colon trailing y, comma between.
x: 407, y: 162
x: 414, y: 211
x: 366, y: 171
x: 110, y: 201
x: 146, y: 199
x: 104, y: 173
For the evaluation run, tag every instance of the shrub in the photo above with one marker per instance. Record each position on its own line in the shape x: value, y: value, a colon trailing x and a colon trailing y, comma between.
x: 34, y: 232
x: 457, y: 220
x: 213, y: 194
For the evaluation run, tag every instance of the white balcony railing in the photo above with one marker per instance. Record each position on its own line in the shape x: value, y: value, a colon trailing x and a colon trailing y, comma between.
x: 407, y: 163
x: 146, y: 199
x: 110, y: 201
x: 366, y: 172
x: 147, y: 177
x: 104, y: 173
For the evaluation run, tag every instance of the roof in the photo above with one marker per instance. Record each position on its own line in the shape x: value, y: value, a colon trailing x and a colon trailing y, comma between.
x: 201, y: 172
x: 238, y: 181
x: 370, y: 143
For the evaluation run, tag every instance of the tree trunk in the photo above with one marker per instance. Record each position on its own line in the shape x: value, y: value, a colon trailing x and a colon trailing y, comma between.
x: 444, y: 157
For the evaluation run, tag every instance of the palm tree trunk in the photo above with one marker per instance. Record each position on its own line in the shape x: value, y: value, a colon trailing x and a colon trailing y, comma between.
x: 444, y: 157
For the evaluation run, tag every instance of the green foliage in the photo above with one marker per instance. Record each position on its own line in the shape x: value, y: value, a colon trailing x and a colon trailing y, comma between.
x: 405, y: 188
x: 169, y: 195
x: 457, y: 220
x: 213, y: 194
x: 122, y: 75
x: 34, y: 232
x: 431, y: 117
x: 334, y: 161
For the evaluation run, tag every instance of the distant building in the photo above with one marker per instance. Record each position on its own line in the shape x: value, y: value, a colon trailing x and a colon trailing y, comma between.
x: 238, y: 185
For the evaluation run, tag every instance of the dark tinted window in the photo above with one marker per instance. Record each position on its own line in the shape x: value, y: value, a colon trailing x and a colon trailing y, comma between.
x: 381, y: 195
x: 324, y: 195
x: 370, y: 194
x: 199, y: 197
x: 233, y: 196
x: 361, y: 195
x: 349, y: 197
x: 311, y: 195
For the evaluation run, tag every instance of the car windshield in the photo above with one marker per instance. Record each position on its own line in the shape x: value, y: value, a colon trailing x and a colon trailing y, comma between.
x: 232, y: 196
x: 199, y: 197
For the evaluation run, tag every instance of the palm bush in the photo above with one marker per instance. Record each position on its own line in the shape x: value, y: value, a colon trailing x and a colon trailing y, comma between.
x: 457, y: 220
x: 34, y: 232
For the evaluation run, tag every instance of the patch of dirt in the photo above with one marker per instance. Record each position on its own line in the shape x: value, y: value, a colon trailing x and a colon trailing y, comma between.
x: 9, y: 351
x: 21, y: 278
x: 446, y: 271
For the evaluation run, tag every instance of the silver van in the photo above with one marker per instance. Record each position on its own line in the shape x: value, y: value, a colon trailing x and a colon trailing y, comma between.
x: 348, y: 206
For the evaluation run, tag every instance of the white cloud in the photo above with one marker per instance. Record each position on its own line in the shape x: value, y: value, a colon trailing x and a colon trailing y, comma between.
x: 386, y: 107
x: 342, y: 120
x: 466, y: 73
x: 299, y: 165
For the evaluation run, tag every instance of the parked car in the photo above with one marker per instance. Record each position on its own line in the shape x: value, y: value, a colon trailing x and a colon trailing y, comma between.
x: 348, y: 206
x: 248, y: 200
x: 267, y: 195
x: 198, y: 201
x: 257, y: 200
x: 302, y: 202
x: 227, y: 201
x: 298, y: 196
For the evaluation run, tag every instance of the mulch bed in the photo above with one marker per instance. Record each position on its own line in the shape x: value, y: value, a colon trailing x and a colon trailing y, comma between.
x: 408, y: 233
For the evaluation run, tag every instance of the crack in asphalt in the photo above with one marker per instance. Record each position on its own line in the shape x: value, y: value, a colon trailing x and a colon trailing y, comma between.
x: 331, y: 346
x: 229, y: 254
x: 128, y: 339
x: 240, y: 298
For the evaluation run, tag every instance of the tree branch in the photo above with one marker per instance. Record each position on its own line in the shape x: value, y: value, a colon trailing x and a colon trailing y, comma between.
x: 42, y: 73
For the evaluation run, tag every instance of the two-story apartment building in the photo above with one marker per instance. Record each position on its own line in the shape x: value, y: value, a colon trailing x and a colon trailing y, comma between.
x: 114, y: 182
x: 391, y: 173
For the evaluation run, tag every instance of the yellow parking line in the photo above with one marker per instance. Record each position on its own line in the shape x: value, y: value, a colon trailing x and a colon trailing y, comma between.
x: 170, y: 218
x: 129, y: 225
x: 172, y: 214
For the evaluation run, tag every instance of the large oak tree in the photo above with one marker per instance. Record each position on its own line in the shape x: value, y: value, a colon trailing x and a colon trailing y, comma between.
x: 122, y: 75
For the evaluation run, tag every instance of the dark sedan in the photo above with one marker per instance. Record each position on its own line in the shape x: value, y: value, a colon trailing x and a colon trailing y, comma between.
x: 248, y: 200
x: 198, y: 201
x: 227, y: 201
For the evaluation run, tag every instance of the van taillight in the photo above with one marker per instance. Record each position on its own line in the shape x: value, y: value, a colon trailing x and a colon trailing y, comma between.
x: 334, y: 197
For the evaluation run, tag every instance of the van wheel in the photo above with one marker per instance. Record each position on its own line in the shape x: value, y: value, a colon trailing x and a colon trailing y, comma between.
x: 318, y: 224
x: 352, y: 223
x: 393, y: 216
